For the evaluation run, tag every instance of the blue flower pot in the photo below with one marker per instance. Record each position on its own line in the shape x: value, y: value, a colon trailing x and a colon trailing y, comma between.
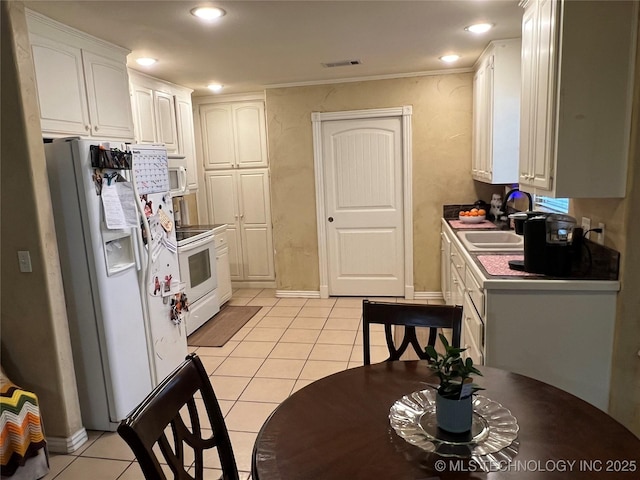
x: 454, y: 416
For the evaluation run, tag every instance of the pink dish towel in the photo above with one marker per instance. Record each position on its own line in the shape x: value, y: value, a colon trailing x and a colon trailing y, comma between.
x: 459, y: 224
x: 499, y: 265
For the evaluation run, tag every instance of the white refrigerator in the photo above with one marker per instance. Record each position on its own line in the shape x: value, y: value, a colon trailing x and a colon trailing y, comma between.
x: 118, y: 255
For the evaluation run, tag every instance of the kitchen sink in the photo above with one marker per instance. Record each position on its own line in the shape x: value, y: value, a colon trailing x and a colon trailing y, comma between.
x: 491, y: 240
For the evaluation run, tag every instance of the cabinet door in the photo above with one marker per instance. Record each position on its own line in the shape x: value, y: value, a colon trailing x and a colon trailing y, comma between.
x: 250, y: 134
x: 483, y: 104
x: 186, y: 140
x: 545, y: 91
x: 478, y: 128
x: 487, y: 120
x: 143, y: 114
x: 217, y: 136
x: 60, y: 87
x: 255, y: 224
x: 166, y: 121
x: 539, y: 45
x: 445, y: 271
x: 223, y: 273
x: 108, y: 93
x: 222, y: 198
x: 528, y: 94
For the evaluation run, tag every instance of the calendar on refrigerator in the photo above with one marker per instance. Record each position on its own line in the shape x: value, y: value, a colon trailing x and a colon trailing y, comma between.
x: 151, y: 169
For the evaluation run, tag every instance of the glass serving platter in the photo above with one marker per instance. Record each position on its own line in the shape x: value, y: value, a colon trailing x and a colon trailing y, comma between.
x: 413, y: 417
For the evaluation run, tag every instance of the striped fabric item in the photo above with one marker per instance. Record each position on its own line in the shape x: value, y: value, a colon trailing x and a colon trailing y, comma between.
x: 21, y: 434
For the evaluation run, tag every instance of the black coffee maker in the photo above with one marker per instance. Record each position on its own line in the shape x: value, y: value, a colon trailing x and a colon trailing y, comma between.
x: 548, y: 245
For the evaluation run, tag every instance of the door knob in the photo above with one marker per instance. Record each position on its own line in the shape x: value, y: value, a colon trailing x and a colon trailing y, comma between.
x: 330, y: 219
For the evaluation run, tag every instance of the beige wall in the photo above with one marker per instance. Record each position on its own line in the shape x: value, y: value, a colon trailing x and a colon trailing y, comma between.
x: 441, y: 126
x: 622, y: 232
x: 36, y: 351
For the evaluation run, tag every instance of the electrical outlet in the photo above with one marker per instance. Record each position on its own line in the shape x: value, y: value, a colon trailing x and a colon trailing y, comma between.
x: 586, y: 225
x: 600, y: 237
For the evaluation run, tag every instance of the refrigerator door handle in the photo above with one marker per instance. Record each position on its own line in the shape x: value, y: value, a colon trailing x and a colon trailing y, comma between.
x: 138, y: 248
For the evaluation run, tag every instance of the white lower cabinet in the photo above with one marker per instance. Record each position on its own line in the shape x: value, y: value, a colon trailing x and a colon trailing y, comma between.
x: 222, y: 265
x: 240, y: 198
x: 463, y: 290
x: 556, y: 331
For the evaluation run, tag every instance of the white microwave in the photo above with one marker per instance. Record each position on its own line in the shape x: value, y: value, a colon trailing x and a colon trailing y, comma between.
x: 178, y: 181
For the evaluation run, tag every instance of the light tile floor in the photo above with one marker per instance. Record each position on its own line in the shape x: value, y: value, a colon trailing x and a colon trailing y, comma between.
x: 288, y: 344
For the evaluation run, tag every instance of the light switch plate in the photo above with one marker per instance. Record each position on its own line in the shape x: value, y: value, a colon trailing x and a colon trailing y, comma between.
x: 24, y: 260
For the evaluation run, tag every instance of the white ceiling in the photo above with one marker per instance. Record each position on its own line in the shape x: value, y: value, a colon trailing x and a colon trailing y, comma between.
x: 258, y: 44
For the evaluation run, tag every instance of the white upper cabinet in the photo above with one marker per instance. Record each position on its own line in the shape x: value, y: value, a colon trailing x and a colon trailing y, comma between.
x: 162, y: 113
x: 577, y: 81
x: 82, y: 82
x: 496, y: 113
x: 234, y: 135
x: 154, y: 111
x: 186, y: 138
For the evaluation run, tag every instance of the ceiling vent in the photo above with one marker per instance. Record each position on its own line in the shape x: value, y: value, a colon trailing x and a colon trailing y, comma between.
x: 342, y: 63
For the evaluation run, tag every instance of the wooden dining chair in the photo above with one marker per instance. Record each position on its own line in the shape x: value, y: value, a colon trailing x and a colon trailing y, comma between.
x: 409, y: 316
x: 160, y: 420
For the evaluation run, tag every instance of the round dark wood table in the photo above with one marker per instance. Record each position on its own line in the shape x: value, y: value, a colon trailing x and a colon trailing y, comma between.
x: 337, y: 428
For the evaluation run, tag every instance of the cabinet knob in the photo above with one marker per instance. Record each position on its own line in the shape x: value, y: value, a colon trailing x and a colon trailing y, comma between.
x: 95, y: 128
x: 87, y: 128
x: 330, y: 219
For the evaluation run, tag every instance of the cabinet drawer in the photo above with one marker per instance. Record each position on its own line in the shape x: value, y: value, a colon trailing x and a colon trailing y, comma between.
x: 457, y: 261
x: 220, y: 240
x: 473, y: 327
x: 474, y: 352
x: 457, y: 287
x: 475, y: 292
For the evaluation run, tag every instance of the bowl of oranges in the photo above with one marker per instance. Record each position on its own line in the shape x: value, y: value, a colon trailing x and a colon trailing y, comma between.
x: 475, y: 215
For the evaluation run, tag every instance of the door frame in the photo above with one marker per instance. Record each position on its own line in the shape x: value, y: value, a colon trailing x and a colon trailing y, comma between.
x: 404, y: 113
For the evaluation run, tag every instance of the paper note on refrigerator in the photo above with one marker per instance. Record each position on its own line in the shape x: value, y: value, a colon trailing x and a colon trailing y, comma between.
x: 119, y: 204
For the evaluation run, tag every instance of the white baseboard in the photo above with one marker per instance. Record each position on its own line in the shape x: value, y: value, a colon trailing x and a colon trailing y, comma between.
x: 67, y: 444
x: 427, y: 295
x: 254, y: 284
x: 297, y: 294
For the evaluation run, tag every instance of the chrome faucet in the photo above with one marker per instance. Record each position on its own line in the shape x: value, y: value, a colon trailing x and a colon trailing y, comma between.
x: 503, y: 207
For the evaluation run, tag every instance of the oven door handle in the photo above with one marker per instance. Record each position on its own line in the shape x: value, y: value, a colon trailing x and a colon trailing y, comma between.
x: 198, y: 243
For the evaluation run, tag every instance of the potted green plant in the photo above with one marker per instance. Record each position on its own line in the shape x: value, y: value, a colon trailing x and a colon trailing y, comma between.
x: 454, y: 399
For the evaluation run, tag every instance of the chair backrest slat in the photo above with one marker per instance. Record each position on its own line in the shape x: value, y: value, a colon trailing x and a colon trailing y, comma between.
x: 409, y: 316
x: 171, y: 410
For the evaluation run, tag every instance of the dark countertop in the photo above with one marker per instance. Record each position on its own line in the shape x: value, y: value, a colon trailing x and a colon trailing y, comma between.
x: 596, y: 263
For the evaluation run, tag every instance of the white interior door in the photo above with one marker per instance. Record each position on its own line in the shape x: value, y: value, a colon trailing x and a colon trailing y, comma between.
x: 363, y: 177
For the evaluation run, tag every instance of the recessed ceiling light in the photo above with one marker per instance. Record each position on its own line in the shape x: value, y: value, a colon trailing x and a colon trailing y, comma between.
x: 208, y: 13
x: 146, y: 61
x: 215, y: 87
x: 479, y: 27
x: 449, y: 58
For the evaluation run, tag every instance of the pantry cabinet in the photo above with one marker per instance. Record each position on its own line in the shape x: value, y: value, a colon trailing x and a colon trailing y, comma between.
x: 163, y: 113
x: 234, y: 135
x: 82, y: 82
x: 240, y: 199
x: 577, y: 80
x: 496, y: 113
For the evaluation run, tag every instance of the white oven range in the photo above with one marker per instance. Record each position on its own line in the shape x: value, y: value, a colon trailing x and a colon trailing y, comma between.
x: 197, y: 260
